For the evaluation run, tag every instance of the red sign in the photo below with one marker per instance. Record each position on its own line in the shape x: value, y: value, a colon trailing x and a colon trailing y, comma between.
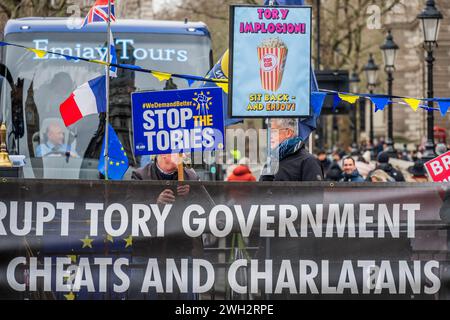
x: 439, y: 168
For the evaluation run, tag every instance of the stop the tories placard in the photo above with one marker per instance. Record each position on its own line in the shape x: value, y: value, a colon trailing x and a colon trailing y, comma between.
x: 439, y: 168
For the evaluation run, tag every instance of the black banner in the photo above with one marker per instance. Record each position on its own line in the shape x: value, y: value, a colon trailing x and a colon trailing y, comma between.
x: 104, y: 240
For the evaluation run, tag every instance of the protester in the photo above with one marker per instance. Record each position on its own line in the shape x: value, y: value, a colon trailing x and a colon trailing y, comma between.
x: 165, y: 168
x: 367, y: 156
x: 242, y: 172
x: 380, y: 146
x: 323, y: 158
x: 383, y: 164
x: 334, y: 172
x: 418, y: 172
x: 350, y: 174
x: 380, y: 176
x: 289, y: 153
x: 404, y: 154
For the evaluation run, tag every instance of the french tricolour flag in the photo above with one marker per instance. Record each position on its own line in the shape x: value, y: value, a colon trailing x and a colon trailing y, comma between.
x: 88, y: 99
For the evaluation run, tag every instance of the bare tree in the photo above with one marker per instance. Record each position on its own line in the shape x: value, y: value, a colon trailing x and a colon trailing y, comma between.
x: 343, y: 24
x: 346, y: 37
x: 21, y: 8
x: 215, y: 13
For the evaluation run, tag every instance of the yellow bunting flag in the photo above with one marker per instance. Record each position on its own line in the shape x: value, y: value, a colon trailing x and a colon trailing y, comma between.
x: 348, y: 98
x: 99, y: 62
x: 222, y: 85
x: 39, y: 53
x: 161, y: 76
x: 413, y: 103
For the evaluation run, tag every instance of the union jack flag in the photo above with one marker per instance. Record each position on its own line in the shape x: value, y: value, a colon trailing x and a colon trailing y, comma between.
x: 99, y: 12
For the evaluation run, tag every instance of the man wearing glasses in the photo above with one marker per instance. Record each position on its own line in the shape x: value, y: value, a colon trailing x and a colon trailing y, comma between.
x: 290, y: 159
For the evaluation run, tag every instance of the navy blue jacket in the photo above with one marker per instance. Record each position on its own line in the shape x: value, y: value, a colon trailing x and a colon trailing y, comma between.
x: 354, y: 177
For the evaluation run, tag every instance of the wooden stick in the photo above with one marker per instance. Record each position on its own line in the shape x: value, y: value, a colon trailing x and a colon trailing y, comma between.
x: 180, y: 168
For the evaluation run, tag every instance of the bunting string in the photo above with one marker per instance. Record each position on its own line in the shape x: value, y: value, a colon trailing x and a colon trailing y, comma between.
x: 381, y: 101
x: 161, y: 76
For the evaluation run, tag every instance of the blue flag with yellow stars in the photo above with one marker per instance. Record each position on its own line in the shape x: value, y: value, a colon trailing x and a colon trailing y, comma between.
x: 118, y: 160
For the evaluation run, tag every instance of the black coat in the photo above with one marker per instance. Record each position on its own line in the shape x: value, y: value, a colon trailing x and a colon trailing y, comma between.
x: 299, y: 166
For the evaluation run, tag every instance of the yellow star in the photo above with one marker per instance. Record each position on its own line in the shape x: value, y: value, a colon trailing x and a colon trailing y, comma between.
x: 111, y: 162
x: 110, y: 238
x: 73, y: 258
x: 69, y: 296
x: 87, y: 242
x: 129, y: 241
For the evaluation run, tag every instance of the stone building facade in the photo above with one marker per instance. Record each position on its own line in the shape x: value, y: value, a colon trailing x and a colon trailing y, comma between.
x: 136, y: 9
x: 411, y: 72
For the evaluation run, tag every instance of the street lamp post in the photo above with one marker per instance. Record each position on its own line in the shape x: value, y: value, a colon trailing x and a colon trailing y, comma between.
x: 371, y: 70
x: 354, y: 83
x: 390, y: 49
x: 431, y: 21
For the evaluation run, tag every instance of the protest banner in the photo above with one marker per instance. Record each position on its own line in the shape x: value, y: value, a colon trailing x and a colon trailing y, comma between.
x: 176, y: 121
x: 270, y: 61
x: 439, y: 168
x: 312, y: 240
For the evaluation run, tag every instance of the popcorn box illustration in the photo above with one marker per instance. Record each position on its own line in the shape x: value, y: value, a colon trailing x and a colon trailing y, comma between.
x: 272, y: 55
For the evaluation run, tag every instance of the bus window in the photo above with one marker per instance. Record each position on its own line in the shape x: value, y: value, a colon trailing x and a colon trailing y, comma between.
x: 40, y: 85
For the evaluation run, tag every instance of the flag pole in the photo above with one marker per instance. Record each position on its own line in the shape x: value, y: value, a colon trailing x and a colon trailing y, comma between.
x: 108, y: 59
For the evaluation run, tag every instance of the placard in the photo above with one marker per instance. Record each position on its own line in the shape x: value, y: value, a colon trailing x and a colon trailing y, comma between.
x: 176, y: 121
x: 270, y: 63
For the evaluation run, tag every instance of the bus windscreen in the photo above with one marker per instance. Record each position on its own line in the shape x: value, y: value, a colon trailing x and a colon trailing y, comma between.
x: 31, y: 106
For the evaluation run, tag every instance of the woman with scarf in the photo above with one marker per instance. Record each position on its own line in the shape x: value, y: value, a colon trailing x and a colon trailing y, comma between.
x: 290, y: 159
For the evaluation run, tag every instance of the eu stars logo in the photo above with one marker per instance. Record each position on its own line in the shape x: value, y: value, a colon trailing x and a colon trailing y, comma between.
x: 203, y: 102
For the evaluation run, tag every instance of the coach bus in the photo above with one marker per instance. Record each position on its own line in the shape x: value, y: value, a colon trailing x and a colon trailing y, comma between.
x: 33, y: 88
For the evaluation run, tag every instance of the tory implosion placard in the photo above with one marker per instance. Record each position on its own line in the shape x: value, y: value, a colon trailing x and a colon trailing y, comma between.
x: 270, y: 61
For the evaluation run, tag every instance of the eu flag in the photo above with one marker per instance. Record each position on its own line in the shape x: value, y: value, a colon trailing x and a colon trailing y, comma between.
x: 118, y: 160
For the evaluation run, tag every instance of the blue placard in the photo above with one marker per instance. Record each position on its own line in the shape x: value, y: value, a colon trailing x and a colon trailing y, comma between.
x: 270, y: 61
x: 177, y: 121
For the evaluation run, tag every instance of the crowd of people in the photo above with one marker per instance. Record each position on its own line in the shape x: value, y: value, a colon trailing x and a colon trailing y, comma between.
x: 374, y: 164
x: 295, y: 163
